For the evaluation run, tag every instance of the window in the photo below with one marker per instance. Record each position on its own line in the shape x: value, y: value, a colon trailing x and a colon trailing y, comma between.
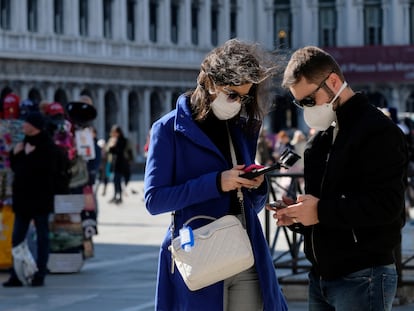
x: 194, y: 22
x: 131, y: 19
x: 107, y: 18
x: 32, y: 15
x: 233, y: 19
x: 5, y: 14
x: 175, y: 10
x: 215, y: 14
x: 411, y: 13
x: 58, y: 16
x: 83, y: 17
x: 282, y: 24
x: 327, y: 23
x: 153, y: 7
x: 372, y: 22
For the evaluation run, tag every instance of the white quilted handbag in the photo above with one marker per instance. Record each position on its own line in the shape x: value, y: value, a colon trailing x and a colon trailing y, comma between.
x: 221, y: 249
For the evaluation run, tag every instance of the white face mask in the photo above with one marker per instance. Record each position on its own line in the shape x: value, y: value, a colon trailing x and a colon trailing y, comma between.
x: 223, y: 109
x: 320, y: 117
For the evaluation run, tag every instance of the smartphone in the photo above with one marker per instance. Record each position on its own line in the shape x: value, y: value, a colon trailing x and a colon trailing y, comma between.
x: 257, y: 172
x: 287, y: 159
x: 252, y: 167
x: 275, y: 205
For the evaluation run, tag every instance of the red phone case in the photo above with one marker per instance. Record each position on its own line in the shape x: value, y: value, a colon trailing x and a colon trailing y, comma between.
x: 252, y: 167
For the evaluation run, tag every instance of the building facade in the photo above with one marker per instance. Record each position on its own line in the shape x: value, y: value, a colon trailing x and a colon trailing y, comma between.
x: 134, y: 57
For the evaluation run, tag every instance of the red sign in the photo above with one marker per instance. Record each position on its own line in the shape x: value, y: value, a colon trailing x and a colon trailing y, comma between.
x: 375, y: 63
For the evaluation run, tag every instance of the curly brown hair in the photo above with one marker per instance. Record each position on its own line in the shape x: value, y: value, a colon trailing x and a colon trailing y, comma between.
x: 232, y: 64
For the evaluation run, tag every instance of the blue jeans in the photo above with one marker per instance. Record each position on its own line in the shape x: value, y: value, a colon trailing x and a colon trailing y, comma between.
x: 20, y: 228
x: 364, y: 290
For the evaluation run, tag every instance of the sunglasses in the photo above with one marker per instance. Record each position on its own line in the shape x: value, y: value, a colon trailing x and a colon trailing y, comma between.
x: 309, y: 101
x: 233, y: 96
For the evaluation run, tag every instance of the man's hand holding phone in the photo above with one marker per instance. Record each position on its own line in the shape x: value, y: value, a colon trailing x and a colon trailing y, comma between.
x: 275, y: 205
x: 278, y: 205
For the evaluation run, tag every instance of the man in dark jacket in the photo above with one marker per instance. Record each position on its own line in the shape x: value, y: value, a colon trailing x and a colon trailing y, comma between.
x: 355, y: 177
x: 34, y: 165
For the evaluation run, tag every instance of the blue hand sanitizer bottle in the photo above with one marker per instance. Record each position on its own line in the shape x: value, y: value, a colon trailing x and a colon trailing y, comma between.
x: 186, y: 238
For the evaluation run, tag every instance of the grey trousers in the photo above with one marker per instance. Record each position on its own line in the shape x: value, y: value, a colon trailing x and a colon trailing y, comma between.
x: 242, y: 292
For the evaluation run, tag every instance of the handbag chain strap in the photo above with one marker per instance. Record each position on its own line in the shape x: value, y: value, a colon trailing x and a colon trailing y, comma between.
x: 172, y: 228
x: 239, y: 191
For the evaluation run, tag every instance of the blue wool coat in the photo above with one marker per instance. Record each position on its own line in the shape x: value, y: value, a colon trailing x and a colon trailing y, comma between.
x: 180, y: 176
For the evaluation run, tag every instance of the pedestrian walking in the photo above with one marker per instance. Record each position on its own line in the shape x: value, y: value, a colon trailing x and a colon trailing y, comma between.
x: 34, y: 165
x: 117, y: 145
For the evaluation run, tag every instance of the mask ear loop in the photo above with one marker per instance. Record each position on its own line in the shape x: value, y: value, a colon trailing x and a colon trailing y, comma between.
x: 344, y: 85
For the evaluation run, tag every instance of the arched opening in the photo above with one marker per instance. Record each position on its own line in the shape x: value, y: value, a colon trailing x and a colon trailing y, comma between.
x: 156, y: 109
x: 133, y: 122
x: 34, y: 96
x: 60, y: 97
x: 6, y: 90
x: 111, y: 111
x: 174, y: 98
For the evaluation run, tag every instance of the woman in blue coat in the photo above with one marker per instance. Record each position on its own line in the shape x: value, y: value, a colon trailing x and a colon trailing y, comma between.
x: 190, y: 172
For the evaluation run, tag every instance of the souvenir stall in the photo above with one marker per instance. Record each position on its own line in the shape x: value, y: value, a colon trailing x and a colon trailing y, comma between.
x: 73, y: 223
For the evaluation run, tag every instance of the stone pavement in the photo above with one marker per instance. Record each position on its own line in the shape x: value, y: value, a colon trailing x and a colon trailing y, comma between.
x: 122, y: 274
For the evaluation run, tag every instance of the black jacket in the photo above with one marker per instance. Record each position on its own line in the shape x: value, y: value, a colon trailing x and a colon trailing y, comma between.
x: 34, y: 177
x: 119, y: 162
x: 361, y: 189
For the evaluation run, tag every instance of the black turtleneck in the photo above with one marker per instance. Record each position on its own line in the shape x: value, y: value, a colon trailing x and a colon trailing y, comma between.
x: 216, y: 130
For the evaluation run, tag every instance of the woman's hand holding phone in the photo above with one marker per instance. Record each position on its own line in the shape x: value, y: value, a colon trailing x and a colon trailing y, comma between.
x: 232, y: 179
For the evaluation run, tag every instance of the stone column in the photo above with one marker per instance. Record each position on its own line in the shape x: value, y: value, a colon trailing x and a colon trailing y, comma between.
x: 45, y: 17
x: 124, y: 113
x: 224, y: 23
x: 341, y: 23
x: 167, y: 104
x: 354, y: 31
x: 100, y: 106
x: 397, y: 98
x: 50, y: 93
x: 142, y: 25
x: 19, y: 10
x: 145, y: 119
x: 75, y: 93
x: 71, y: 17
x: 205, y: 24
x: 119, y: 20
x: 265, y: 24
x: 400, y: 21
x: 296, y: 35
x: 24, y: 90
x: 186, y: 23
x: 95, y: 18
x: 165, y: 21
